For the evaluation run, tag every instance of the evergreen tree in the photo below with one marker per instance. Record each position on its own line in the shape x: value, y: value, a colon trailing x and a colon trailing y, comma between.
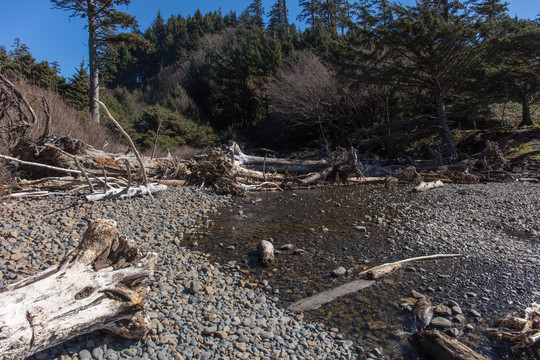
x: 256, y: 11
x: 78, y: 89
x: 23, y: 61
x: 310, y: 13
x: 428, y: 50
x: 515, y: 66
x: 278, y: 23
x: 103, y: 22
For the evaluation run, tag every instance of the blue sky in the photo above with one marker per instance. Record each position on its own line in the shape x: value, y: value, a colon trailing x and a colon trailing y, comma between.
x: 51, y: 35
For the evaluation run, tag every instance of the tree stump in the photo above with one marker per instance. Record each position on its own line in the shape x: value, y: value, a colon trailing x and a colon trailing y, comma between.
x: 266, y: 252
x: 98, y: 285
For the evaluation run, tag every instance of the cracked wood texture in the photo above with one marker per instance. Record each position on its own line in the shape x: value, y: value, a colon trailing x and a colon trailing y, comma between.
x: 99, y: 285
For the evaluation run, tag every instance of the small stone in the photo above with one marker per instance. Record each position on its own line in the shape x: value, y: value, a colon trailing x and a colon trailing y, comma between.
x: 453, y: 332
x: 221, y: 334
x: 340, y: 271
x: 209, y: 330
x: 475, y: 313
x: 469, y: 327
x: 440, y: 322
x: 457, y: 310
x: 361, y: 228
x: 459, y: 319
x: 85, y: 355
x: 97, y: 353
x: 442, y: 310
x: 241, y: 346
x: 194, y: 287
x: 267, y: 335
x: 286, y: 247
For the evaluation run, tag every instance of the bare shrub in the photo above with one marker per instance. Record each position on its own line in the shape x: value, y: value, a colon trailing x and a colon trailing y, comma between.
x: 63, y: 120
x: 304, y: 93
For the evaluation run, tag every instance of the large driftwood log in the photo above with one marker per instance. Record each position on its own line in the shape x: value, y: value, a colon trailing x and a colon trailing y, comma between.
x: 99, y: 285
x: 280, y: 165
x: 317, y: 300
x: 438, y: 346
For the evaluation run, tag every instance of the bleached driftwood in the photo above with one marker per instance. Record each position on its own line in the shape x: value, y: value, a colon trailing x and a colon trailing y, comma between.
x: 99, y: 285
x: 266, y: 252
x: 424, y: 186
x: 128, y: 138
x: 385, y: 269
x: 280, y: 165
x: 435, y: 345
x: 317, y: 300
x: 128, y: 192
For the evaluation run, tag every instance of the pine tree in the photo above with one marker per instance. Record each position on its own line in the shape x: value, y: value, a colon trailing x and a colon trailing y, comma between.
x: 310, y: 12
x: 428, y: 50
x: 515, y: 67
x: 278, y: 23
x: 103, y: 22
x: 256, y: 11
x: 78, y: 89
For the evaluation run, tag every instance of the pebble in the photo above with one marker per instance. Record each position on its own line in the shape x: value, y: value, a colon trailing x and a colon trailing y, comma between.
x: 340, y: 271
x: 440, y: 322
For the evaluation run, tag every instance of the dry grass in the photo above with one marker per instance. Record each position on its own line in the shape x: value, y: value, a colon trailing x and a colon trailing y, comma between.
x: 66, y: 121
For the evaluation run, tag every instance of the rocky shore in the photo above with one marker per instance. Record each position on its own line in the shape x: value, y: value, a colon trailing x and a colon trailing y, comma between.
x: 199, y: 310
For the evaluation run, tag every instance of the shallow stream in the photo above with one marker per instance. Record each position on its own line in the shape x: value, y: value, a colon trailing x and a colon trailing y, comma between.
x: 355, y: 228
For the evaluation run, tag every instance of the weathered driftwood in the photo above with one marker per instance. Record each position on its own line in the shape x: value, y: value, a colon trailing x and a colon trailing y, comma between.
x: 317, y: 300
x: 128, y: 192
x: 523, y: 329
x: 422, y: 313
x: 278, y: 165
x: 385, y: 269
x: 99, y: 285
x: 424, y: 186
x: 266, y: 252
x: 438, y: 346
x: 128, y: 138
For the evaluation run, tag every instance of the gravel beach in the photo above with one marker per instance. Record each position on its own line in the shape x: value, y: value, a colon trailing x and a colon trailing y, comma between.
x: 199, y: 310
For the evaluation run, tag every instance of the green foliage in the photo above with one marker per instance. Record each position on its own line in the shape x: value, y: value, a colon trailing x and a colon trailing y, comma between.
x: 78, y: 89
x: 174, y: 130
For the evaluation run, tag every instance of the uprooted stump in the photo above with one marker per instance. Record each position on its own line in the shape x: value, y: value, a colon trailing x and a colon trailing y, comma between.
x: 98, y: 285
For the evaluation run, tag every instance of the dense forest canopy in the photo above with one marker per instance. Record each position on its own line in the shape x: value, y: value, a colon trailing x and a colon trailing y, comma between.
x: 384, y: 77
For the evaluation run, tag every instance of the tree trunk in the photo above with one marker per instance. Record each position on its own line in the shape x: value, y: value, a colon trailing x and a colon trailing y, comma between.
x: 526, y: 119
x: 99, y: 285
x: 93, y: 56
x: 443, y: 120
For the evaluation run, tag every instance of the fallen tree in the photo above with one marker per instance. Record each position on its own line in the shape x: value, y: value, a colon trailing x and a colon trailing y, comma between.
x: 99, y: 285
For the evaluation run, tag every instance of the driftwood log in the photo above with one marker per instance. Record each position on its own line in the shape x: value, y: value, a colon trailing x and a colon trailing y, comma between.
x: 317, y: 300
x: 99, y: 285
x: 424, y: 186
x: 380, y: 271
x: 435, y: 345
x: 266, y: 252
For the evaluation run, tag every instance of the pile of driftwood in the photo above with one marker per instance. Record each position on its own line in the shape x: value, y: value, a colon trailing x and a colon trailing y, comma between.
x: 523, y: 329
x: 228, y: 168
